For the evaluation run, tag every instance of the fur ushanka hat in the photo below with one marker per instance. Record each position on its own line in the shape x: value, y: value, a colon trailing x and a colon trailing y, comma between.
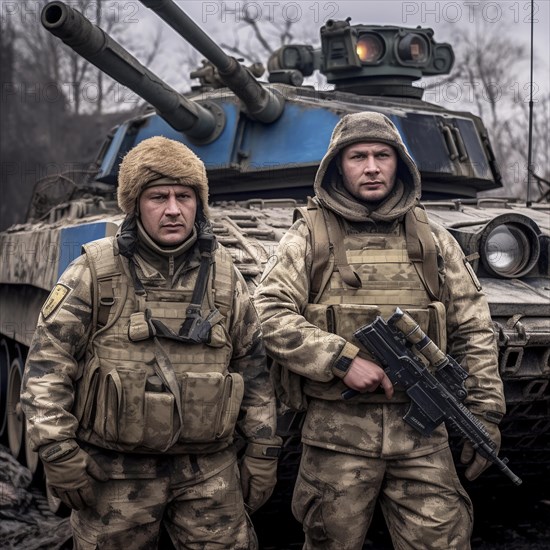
x: 164, y: 160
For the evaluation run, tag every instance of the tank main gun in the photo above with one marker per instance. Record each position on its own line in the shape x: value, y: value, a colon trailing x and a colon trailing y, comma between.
x: 199, y: 122
x: 261, y: 103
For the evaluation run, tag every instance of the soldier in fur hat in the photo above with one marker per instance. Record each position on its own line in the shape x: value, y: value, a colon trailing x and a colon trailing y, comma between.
x: 146, y: 358
x: 361, y: 248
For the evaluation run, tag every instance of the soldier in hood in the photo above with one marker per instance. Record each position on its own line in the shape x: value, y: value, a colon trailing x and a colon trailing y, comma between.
x: 147, y: 357
x: 358, y: 250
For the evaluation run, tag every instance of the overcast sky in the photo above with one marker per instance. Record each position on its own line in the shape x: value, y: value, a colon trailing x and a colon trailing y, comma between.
x: 438, y: 14
x: 221, y: 19
x: 513, y: 16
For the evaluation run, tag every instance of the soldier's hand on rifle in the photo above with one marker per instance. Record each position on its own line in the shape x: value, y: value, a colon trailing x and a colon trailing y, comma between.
x: 478, y: 463
x: 366, y: 376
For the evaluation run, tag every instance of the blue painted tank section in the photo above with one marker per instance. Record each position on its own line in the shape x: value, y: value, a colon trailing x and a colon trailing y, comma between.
x: 217, y: 154
x: 109, y: 163
x: 245, y: 143
x: 299, y: 137
x: 398, y: 124
x: 72, y: 238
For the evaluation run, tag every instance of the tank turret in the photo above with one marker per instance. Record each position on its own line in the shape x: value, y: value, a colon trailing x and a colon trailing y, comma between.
x: 200, y: 122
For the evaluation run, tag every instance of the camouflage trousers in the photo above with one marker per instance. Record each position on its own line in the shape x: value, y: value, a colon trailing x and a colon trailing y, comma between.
x: 198, y: 498
x: 421, y: 498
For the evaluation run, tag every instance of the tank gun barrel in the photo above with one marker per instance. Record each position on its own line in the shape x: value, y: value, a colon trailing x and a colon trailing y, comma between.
x: 96, y: 46
x: 261, y: 103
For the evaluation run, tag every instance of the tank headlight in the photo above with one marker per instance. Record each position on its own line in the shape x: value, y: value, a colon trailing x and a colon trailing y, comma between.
x: 370, y: 48
x: 509, y: 249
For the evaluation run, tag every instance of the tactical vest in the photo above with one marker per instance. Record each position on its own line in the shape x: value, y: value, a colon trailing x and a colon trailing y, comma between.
x: 357, y: 276
x: 143, y: 393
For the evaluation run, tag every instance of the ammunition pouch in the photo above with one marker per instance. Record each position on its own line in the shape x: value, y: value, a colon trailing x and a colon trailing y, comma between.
x: 345, y: 319
x: 125, y: 407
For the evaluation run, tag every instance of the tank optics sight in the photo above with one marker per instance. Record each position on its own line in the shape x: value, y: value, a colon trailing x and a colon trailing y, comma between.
x: 368, y: 58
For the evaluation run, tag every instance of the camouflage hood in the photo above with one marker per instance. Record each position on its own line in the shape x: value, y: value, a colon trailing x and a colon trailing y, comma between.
x: 329, y: 187
x: 162, y: 160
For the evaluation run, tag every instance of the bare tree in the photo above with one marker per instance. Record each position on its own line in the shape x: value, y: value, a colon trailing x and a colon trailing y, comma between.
x: 55, y: 112
x: 258, y: 34
x: 540, y: 144
x: 268, y: 35
x: 490, y: 79
x: 85, y: 88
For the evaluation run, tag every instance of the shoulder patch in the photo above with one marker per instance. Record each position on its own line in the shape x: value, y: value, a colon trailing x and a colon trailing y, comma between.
x: 55, y: 299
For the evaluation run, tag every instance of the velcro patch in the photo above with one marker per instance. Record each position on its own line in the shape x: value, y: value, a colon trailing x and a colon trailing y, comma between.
x: 55, y: 299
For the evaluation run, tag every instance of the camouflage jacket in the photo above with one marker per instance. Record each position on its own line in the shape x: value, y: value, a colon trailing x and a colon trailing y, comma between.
x: 373, y: 429
x: 62, y: 339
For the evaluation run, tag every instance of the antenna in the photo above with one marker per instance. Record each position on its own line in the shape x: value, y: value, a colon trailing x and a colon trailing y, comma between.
x: 530, y: 138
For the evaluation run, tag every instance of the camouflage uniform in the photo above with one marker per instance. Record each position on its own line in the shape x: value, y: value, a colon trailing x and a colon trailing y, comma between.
x: 94, y: 382
x: 361, y: 450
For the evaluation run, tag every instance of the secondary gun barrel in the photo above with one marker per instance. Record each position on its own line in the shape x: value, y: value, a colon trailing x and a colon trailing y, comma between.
x: 261, y: 103
x: 96, y: 46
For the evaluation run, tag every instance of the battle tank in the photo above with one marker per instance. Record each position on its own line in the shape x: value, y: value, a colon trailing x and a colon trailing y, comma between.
x: 261, y: 143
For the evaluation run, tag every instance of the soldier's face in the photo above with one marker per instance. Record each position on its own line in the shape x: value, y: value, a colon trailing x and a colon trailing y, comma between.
x: 167, y: 213
x: 368, y: 170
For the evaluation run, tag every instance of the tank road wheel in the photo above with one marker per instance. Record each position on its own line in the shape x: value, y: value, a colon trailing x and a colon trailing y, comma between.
x: 4, y: 372
x: 16, y: 420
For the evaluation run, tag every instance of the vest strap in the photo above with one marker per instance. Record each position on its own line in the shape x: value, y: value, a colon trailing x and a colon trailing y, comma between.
x: 336, y: 236
x: 421, y: 250
x: 194, y: 326
x: 327, y: 235
x: 106, y: 301
x: 139, y: 289
x: 105, y: 265
x: 165, y: 371
x: 322, y: 259
x: 325, y: 231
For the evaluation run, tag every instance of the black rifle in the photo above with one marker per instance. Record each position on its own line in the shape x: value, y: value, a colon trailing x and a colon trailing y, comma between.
x: 436, y: 397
